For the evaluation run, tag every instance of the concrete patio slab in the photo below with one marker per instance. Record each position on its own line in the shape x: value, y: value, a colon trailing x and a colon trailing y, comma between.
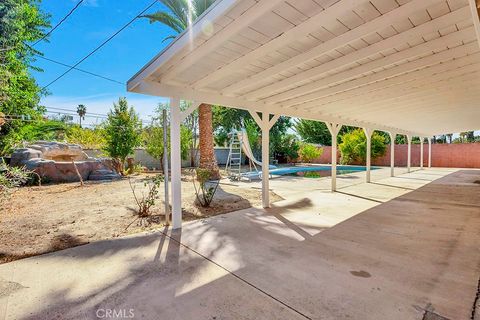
x: 393, y: 249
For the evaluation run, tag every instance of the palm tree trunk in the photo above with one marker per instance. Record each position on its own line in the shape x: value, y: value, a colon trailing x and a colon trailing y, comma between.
x: 207, y: 153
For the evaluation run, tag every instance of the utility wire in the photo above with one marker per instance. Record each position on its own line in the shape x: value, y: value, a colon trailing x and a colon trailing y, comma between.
x: 101, y: 45
x: 81, y: 70
x: 59, y: 23
x: 62, y: 109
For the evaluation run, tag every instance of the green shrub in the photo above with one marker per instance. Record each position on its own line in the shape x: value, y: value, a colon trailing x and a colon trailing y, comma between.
x: 288, y: 148
x: 207, y: 189
x: 353, y: 147
x: 147, y: 200
x: 122, y: 133
x: 49, y: 130
x: 87, y: 138
x: 309, y: 152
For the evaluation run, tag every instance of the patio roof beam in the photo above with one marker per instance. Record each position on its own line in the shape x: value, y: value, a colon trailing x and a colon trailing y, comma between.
x: 391, y: 42
x: 436, y: 72
x: 407, y: 88
x: 405, y: 68
x: 163, y: 90
x: 412, y: 101
x: 474, y: 9
x: 256, y: 11
x: 172, y: 50
x: 193, y: 106
x: 303, y: 29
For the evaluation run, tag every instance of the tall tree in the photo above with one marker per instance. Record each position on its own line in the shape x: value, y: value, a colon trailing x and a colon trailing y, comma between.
x: 180, y: 14
x: 313, y: 131
x: 122, y: 133
x: 21, y: 22
x: 81, y: 111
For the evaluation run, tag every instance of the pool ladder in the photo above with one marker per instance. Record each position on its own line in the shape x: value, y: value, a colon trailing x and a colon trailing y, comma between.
x: 233, y: 166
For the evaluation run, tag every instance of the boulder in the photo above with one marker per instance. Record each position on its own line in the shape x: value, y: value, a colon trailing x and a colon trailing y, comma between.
x: 59, y: 151
x: 52, y: 161
x: 21, y: 156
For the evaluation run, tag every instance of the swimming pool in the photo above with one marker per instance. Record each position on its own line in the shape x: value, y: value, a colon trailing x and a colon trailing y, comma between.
x: 306, y: 171
x: 316, y: 171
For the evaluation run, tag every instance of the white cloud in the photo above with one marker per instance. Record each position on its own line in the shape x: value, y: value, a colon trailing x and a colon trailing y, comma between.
x: 90, y: 3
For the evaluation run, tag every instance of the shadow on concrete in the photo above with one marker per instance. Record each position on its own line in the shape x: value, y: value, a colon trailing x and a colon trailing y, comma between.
x: 245, y: 265
x: 391, y: 186
x: 358, y: 196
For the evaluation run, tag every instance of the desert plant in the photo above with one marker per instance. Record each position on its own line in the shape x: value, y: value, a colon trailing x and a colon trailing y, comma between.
x: 14, y: 177
x: 207, y: 189
x: 148, y: 197
x: 309, y: 152
x: 136, y: 169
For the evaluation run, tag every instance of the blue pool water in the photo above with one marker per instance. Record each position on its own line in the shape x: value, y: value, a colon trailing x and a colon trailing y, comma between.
x: 321, y: 171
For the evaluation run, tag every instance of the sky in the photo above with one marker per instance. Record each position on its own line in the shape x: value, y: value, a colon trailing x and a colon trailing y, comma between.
x: 92, y: 23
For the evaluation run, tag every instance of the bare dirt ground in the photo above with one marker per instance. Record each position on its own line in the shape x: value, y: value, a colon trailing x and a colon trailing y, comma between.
x: 36, y: 220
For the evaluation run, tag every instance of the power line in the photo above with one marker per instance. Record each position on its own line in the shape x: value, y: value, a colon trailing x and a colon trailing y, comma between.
x: 59, y: 23
x: 62, y: 109
x: 81, y: 70
x: 101, y: 45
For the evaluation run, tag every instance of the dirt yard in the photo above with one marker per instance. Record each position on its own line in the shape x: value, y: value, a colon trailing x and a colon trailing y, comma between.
x: 36, y: 220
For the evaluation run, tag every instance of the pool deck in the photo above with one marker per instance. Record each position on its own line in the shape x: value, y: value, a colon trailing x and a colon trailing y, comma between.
x: 397, y: 248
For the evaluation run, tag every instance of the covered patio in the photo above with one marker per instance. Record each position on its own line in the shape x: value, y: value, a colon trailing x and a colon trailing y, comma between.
x: 403, y: 67
x: 403, y: 247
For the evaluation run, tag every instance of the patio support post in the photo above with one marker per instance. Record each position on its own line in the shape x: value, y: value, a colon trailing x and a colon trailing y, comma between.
x: 393, y: 135
x: 334, y: 128
x: 409, y: 152
x: 429, y: 152
x: 368, y: 134
x: 175, y: 161
x: 265, y: 123
x: 421, y: 152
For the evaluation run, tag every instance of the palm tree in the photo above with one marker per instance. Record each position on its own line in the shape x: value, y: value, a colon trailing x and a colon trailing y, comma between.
x: 81, y: 110
x: 180, y: 14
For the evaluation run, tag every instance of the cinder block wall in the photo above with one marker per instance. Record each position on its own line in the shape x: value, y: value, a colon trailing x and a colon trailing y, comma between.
x: 455, y: 155
x: 143, y: 158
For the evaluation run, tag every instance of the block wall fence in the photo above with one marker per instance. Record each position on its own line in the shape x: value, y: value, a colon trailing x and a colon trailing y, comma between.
x: 455, y: 155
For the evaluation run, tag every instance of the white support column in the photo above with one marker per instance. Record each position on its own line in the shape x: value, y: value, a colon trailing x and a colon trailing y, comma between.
x: 368, y: 134
x: 421, y: 152
x: 409, y: 153
x: 265, y: 124
x: 429, y: 152
x: 393, y: 136
x: 334, y: 128
x: 175, y: 116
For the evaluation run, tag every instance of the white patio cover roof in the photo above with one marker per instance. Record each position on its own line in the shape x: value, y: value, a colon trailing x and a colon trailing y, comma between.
x: 402, y: 66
